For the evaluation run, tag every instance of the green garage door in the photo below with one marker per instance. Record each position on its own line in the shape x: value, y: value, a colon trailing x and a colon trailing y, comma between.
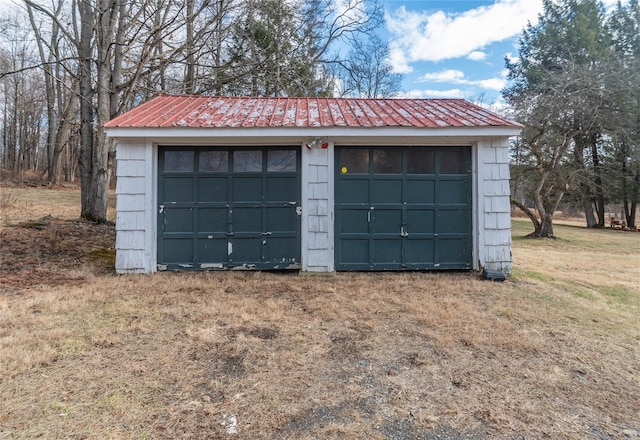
x: 228, y: 208
x: 403, y: 208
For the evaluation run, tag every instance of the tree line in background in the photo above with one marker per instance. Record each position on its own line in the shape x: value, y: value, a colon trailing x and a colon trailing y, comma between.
x: 69, y: 66
x: 576, y: 89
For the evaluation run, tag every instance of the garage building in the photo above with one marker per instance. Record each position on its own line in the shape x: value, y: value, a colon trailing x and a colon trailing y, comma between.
x: 311, y: 184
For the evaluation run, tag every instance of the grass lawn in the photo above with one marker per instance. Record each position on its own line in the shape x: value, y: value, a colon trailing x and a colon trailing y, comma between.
x: 554, y: 352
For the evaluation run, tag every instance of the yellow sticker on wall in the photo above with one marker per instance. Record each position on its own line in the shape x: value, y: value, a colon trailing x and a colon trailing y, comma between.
x: 344, y: 170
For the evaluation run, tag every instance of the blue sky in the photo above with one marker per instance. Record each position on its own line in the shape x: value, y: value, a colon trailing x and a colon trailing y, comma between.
x: 456, y: 48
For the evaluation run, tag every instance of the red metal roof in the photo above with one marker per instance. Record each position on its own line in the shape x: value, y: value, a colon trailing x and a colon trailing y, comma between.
x: 218, y: 112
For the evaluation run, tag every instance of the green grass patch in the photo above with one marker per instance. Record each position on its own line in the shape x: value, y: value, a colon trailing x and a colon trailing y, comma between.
x: 105, y: 259
x: 576, y: 238
x: 520, y: 228
x: 520, y: 274
x: 622, y: 295
x: 584, y: 293
x: 33, y: 225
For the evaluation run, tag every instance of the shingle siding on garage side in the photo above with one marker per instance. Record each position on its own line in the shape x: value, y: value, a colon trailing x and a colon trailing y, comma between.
x: 495, y: 210
x: 317, y: 203
x: 131, y: 170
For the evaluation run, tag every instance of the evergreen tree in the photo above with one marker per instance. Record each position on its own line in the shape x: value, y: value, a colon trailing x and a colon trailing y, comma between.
x: 560, y: 92
x: 624, y: 26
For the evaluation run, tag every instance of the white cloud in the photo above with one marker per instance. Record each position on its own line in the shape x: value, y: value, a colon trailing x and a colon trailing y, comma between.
x: 449, y: 75
x: 422, y: 36
x: 458, y: 77
x: 491, y: 83
x: 612, y: 3
x: 477, y: 55
x: 398, y: 61
x: 451, y: 93
x: 512, y: 58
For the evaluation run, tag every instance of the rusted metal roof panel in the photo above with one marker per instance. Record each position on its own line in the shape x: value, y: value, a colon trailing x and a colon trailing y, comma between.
x: 225, y: 112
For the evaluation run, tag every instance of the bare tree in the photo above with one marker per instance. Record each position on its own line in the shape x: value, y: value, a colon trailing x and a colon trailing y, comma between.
x: 114, y: 50
x: 367, y: 72
x: 100, y: 58
x: 22, y: 118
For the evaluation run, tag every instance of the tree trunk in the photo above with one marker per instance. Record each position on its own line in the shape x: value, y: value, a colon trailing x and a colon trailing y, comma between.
x: 537, y: 227
x: 47, y: 66
x: 597, y: 170
x: 15, y: 131
x: 631, y: 201
x: 116, y: 74
x: 101, y: 159
x: 585, y: 190
x: 219, y: 36
x: 189, y: 79
x: 587, y: 206
x: 87, y: 210
x: 546, y: 219
x: 5, y: 130
x: 158, y: 49
x: 547, y: 198
x: 63, y: 133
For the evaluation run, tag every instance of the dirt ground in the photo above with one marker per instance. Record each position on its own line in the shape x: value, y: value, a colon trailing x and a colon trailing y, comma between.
x: 48, y: 252
x: 554, y: 352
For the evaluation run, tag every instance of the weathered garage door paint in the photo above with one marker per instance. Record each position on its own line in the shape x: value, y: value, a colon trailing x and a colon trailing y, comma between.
x: 403, y: 208
x: 221, y: 208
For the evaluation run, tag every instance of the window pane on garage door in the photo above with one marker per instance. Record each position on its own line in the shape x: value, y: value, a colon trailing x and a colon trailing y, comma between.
x: 247, y: 161
x: 281, y: 161
x: 216, y: 161
x: 387, y: 161
x: 421, y: 160
x: 178, y: 161
x: 354, y: 161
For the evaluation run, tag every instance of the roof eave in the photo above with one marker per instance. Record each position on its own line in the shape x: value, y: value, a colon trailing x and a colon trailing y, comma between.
x: 304, y: 132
